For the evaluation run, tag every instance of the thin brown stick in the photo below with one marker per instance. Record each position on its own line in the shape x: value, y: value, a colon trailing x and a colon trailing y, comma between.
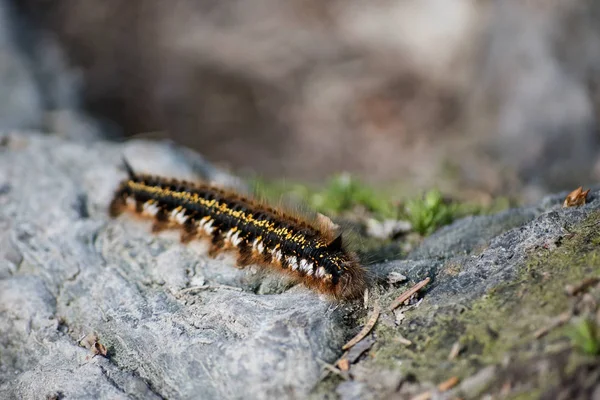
x: 401, y: 339
x: 448, y: 384
x: 331, y: 368
x: 343, y: 364
x: 365, y: 330
x: 555, y: 323
x: 327, y: 371
x: 408, y: 294
x: 454, y: 351
x: 572, y: 290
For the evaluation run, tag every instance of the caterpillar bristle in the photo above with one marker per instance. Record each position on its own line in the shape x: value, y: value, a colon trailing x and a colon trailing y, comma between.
x: 309, y: 251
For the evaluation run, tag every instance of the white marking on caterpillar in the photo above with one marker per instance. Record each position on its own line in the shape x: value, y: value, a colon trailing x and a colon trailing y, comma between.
x: 236, y: 239
x: 181, y: 218
x: 303, y: 265
x: 203, y: 222
x: 310, y: 269
x: 178, y: 215
x: 320, y: 272
x: 293, y: 262
x: 150, y: 208
x: 208, y: 226
x: 258, y: 246
x: 276, y: 254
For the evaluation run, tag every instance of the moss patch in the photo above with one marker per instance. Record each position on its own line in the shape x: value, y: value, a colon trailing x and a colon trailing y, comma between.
x: 500, y: 325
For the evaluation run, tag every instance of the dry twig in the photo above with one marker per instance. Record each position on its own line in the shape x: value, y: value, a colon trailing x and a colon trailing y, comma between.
x: 331, y: 368
x: 344, y: 364
x: 402, y: 340
x: 555, y: 323
x: 448, y: 384
x: 573, y: 290
x: 454, y: 351
x: 408, y: 294
x: 365, y: 330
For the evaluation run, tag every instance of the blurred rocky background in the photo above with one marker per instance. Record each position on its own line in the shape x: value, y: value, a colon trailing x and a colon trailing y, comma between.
x: 497, y: 96
x: 490, y: 98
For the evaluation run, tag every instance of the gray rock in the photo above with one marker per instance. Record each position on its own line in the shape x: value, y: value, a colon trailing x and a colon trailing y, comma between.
x: 176, y: 323
x: 470, y: 233
x: 21, y: 103
x: 38, y: 89
x: 498, y: 263
x: 68, y: 270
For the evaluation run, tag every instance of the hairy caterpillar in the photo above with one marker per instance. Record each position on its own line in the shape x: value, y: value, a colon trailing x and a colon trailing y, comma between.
x: 310, y: 252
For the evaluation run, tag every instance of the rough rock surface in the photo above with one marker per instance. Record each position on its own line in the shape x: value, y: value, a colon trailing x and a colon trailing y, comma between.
x: 176, y: 323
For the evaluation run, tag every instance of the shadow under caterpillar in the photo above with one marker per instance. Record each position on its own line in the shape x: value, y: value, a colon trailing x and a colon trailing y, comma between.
x: 309, y: 251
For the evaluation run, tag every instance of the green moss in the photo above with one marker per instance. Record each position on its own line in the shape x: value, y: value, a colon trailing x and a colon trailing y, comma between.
x: 503, y: 321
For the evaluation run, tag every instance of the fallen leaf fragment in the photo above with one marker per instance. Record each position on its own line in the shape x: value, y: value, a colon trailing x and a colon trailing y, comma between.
x: 576, y: 198
x: 448, y: 384
x: 408, y: 294
x: 365, y: 330
x: 99, y: 348
x: 91, y: 341
x: 88, y: 340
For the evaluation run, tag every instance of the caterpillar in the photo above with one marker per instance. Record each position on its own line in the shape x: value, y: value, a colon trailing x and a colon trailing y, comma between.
x: 308, y: 251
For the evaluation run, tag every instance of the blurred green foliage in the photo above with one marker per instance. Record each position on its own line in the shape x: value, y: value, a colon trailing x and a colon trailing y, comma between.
x: 430, y: 212
x: 345, y: 194
x: 584, y: 336
x: 342, y: 193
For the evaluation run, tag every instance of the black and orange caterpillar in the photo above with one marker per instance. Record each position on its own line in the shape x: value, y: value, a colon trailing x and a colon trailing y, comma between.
x: 308, y: 251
